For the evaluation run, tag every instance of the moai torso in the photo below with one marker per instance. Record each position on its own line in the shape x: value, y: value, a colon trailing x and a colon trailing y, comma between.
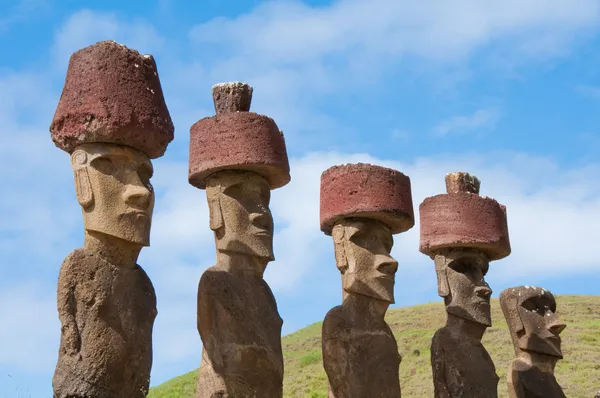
x: 461, y: 367
x: 241, y: 317
x: 527, y: 381
x: 362, y: 359
x: 107, y: 314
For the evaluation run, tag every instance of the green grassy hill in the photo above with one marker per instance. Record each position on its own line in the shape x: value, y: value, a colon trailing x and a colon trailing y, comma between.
x: 578, y: 373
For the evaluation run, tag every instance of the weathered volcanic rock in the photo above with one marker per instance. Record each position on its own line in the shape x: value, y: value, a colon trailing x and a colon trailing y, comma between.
x: 232, y: 97
x: 112, y: 94
x: 235, y: 139
x: 369, y: 191
x: 107, y: 315
x: 463, y: 219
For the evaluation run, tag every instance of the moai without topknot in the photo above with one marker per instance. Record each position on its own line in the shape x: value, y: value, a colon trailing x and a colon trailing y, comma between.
x: 462, y: 232
x: 238, y: 157
x: 112, y: 119
x: 535, y: 329
x: 361, y: 207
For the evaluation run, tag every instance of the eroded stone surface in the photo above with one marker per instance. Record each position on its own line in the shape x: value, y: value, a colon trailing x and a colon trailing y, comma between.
x: 112, y: 94
x: 535, y: 329
x: 463, y: 232
x: 238, y: 320
x: 369, y: 191
x: 360, y: 353
x: 242, y: 141
x: 107, y: 313
x: 106, y: 302
x: 236, y: 139
x: 232, y: 97
x: 464, y: 220
x: 462, y: 182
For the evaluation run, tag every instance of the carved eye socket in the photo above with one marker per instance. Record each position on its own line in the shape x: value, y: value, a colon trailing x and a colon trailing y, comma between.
x: 531, y: 305
x: 462, y: 265
x: 145, y: 173
x: 104, y: 165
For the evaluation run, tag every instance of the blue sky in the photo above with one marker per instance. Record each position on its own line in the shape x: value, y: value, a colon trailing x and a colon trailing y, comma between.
x: 507, y: 90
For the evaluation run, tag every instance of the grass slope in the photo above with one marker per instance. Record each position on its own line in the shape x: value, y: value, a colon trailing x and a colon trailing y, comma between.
x: 578, y: 373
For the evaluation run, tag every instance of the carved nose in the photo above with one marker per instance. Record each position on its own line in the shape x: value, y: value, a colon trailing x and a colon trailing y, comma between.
x: 138, y: 197
x: 261, y: 220
x: 386, y: 265
x: 556, y: 327
x: 483, y: 291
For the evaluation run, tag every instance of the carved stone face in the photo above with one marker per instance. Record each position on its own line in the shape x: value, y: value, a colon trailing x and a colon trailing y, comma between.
x: 461, y: 282
x: 113, y: 187
x: 239, y: 213
x: 541, y: 327
x: 362, y: 252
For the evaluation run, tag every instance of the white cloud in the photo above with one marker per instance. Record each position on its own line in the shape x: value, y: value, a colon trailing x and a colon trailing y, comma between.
x: 290, y: 31
x: 480, y: 119
x: 592, y: 92
x: 30, y: 327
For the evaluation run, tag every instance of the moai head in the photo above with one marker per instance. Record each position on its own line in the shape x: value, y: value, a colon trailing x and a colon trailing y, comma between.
x: 530, y: 313
x: 463, y: 232
x: 112, y: 119
x: 112, y: 183
x: 361, y: 207
x: 238, y: 203
x: 238, y: 157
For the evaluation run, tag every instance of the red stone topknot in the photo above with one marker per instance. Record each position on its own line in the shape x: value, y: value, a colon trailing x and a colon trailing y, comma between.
x: 112, y: 94
x: 237, y: 139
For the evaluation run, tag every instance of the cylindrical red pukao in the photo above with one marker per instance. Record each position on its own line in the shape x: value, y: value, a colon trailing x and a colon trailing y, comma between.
x: 112, y: 94
x: 236, y: 139
x: 462, y: 219
x: 366, y: 191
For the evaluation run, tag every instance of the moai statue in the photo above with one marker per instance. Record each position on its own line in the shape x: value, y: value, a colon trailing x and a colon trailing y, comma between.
x: 361, y: 207
x: 112, y: 119
x: 462, y: 232
x: 535, y: 329
x: 238, y: 157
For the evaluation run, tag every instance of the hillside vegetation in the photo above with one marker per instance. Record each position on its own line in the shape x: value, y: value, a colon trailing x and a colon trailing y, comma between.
x: 578, y: 372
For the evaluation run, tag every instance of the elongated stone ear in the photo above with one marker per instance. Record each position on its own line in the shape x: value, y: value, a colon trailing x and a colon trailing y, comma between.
x: 213, y: 195
x: 442, y: 276
x: 83, y: 187
x: 215, y: 214
x: 341, y: 258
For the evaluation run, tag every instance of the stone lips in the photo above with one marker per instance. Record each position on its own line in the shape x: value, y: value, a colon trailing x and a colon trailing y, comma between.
x: 367, y: 191
x: 112, y: 94
x: 464, y: 220
x: 243, y: 141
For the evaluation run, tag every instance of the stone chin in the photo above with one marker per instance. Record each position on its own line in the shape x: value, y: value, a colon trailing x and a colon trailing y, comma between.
x: 256, y: 246
x: 474, y: 312
x: 130, y: 227
x: 379, y: 289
